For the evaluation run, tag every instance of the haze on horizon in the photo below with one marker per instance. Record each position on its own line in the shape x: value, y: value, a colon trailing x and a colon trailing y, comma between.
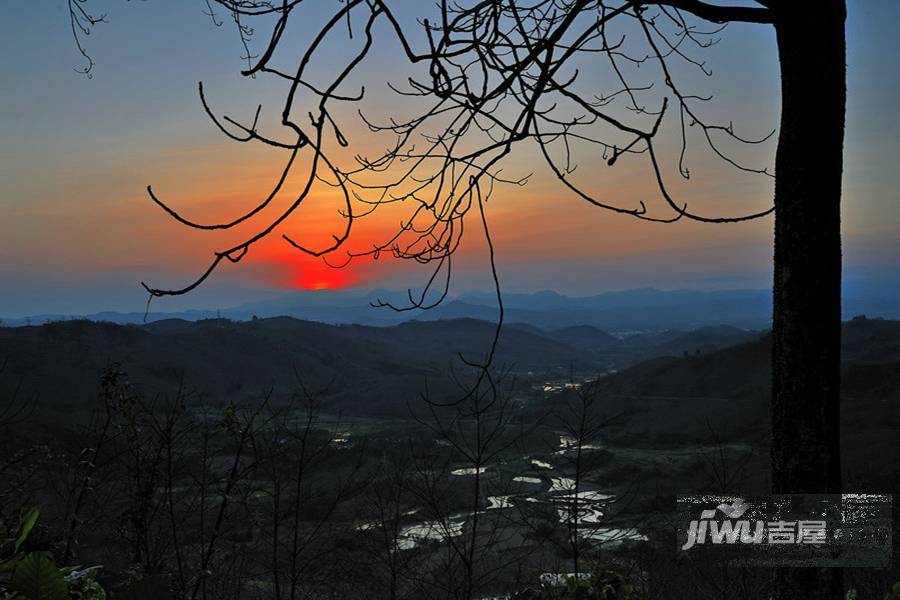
x: 79, y: 232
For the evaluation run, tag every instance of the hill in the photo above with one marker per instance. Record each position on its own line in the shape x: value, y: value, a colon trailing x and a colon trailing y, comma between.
x: 672, y: 399
x: 723, y: 395
x: 360, y: 368
x: 586, y: 337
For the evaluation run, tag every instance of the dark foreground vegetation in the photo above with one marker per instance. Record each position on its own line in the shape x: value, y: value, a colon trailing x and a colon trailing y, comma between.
x: 285, y: 459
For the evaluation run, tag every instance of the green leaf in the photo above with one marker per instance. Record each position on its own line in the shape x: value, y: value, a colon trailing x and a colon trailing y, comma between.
x: 27, y: 525
x: 37, y: 578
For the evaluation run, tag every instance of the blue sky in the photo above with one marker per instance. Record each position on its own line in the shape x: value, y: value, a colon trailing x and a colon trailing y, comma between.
x: 77, y: 153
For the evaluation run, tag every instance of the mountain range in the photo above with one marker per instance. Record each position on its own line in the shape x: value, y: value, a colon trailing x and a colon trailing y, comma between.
x: 365, y: 368
x: 625, y: 312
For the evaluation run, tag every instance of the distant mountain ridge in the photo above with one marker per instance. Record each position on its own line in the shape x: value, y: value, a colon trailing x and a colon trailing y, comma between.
x: 546, y: 310
x: 624, y: 312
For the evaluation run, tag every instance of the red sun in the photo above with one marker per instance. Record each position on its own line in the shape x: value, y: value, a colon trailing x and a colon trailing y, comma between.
x: 292, y: 269
x: 315, y: 275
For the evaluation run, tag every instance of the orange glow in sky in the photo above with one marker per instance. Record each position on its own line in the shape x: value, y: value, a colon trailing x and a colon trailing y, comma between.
x: 74, y: 174
x: 316, y: 276
x: 288, y: 268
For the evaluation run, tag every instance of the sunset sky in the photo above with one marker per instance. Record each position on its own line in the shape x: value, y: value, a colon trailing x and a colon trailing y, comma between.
x: 76, y: 154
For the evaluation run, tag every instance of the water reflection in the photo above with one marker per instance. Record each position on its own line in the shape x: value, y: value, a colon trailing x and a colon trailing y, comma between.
x: 469, y: 471
x: 523, y: 479
x: 412, y: 535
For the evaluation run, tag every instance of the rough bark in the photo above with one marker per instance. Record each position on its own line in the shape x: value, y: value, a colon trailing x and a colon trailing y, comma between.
x: 807, y: 265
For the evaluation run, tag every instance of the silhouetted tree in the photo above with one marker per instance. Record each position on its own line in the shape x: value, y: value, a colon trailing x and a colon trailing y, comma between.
x: 562, y: 74
x: 475, y: 430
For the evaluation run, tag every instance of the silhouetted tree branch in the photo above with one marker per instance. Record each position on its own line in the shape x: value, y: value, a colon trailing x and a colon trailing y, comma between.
x: 490, y: 75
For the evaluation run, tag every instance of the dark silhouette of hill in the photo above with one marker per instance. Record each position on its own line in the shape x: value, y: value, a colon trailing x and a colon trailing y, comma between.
x: 631, y: 349
x: 377, y: 370
x: 586, y: 337
x: 724, y: 394
x: 706, y: 339
x: 871, y: 340
x: 669, y: 399
x: 734, y: 372
x: 365, y: 369
x: 742, y: 370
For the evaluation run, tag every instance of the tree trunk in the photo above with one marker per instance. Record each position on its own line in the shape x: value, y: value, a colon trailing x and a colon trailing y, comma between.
x: 806, y: 331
